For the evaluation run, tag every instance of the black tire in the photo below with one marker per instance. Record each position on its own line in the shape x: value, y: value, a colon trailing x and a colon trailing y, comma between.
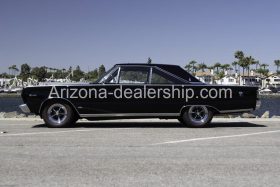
x: 58, y: 114
x: 181, y: 120
x: 197, y: 116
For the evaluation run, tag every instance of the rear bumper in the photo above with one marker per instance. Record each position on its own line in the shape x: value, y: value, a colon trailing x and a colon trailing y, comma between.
x: 258, y: 104
x: 24, y: 108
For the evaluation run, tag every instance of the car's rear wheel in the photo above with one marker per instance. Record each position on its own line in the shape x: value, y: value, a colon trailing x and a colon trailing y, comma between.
x: 197, y: 116
x: 56, y: 114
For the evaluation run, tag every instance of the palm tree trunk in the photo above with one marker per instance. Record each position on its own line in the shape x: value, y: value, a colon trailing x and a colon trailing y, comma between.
x: 238, y: 69
x: 243, y: 69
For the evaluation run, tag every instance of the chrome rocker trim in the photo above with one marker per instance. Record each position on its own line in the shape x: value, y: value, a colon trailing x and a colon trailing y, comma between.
x: 131, y: 115
x: 154, y: 114
x: 221, y: 111
x: 24, y: 108
x: 237, y: 110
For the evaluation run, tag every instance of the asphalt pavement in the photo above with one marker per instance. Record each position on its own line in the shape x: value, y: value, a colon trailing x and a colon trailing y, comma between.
x: 235, y: 152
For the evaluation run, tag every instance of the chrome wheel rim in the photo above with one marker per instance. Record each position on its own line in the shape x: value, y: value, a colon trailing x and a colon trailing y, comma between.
x: 198, y: 114
x: 57, y: 113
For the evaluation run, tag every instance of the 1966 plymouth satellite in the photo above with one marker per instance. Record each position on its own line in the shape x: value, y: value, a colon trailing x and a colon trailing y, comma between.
x: 139, y: 91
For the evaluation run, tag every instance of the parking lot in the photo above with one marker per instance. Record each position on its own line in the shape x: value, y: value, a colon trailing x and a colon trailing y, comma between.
x: 235, y: 152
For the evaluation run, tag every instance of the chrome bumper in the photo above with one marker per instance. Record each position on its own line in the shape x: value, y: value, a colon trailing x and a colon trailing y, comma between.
x: 24, y: 108
x: 258, y: 104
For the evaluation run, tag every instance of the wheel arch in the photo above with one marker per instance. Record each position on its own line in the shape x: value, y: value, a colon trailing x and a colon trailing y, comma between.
x: 213, y: 109
x: 61, y: 100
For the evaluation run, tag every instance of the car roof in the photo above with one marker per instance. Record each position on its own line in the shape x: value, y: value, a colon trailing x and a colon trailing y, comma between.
x: 145, y: 64
x: 171, y: 68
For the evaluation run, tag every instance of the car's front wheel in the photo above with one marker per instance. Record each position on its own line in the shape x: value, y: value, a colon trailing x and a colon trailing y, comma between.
x: 197, y: 116
x: 57, y: 115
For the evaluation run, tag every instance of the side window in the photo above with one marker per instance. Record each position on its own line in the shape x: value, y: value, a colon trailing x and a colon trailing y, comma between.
x: 134, y: 75
x: 159, y: 77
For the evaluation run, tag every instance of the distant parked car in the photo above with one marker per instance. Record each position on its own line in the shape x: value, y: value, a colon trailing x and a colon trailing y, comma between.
x: 273, y: 89
x: 139, y: 91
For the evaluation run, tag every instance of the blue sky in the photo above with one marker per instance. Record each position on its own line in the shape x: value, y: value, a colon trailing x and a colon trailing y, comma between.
x: 60, y: 33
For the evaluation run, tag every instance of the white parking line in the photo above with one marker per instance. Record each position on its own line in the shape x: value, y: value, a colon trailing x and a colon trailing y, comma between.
x: 56, y: 132
x: 216, y: 137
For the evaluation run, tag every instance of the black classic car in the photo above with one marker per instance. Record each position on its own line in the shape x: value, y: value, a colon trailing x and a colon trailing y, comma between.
x: 139, y: 91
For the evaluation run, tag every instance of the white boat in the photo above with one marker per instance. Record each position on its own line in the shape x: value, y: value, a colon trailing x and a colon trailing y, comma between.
x: 16, y: 90
x: 266, y: 91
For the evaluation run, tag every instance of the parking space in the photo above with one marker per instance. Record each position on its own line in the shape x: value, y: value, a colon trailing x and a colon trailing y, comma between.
x: 140, y: 152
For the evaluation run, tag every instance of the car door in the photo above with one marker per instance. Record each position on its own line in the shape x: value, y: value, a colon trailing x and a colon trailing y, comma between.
x: 129, y: 98
x: 170, y: 92
x: 120, y: 86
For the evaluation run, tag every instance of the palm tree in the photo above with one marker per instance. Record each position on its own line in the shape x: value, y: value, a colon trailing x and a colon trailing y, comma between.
x: 217, y: 65
x: 201, y: 66
x: 221, y: 75
x: 194, y: 70
x: 242, y: 62
x: 277, y: 64
x: 10, y: 68
x: 235, y: 64
x: 257, y: 63
x: 210, y: 68
x: 250, y: 61
x: 192, y: 63
x: 264, y: 66
x: 260, y: 71
x: 225, y: 67
x: 13, y: 69
x: 239, y: 55
x: 230, y: 69
x: 188, y: 67
x: 16, y: 69
x: 263, y: 72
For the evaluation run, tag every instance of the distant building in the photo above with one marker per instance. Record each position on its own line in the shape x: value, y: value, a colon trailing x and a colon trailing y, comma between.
x: 272, y: 81
x: 206, y: 76
x: 228, y: 80
x: 253, y: 79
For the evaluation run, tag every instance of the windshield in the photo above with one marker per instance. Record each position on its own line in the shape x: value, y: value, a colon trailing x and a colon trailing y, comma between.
x: 104, y: 77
